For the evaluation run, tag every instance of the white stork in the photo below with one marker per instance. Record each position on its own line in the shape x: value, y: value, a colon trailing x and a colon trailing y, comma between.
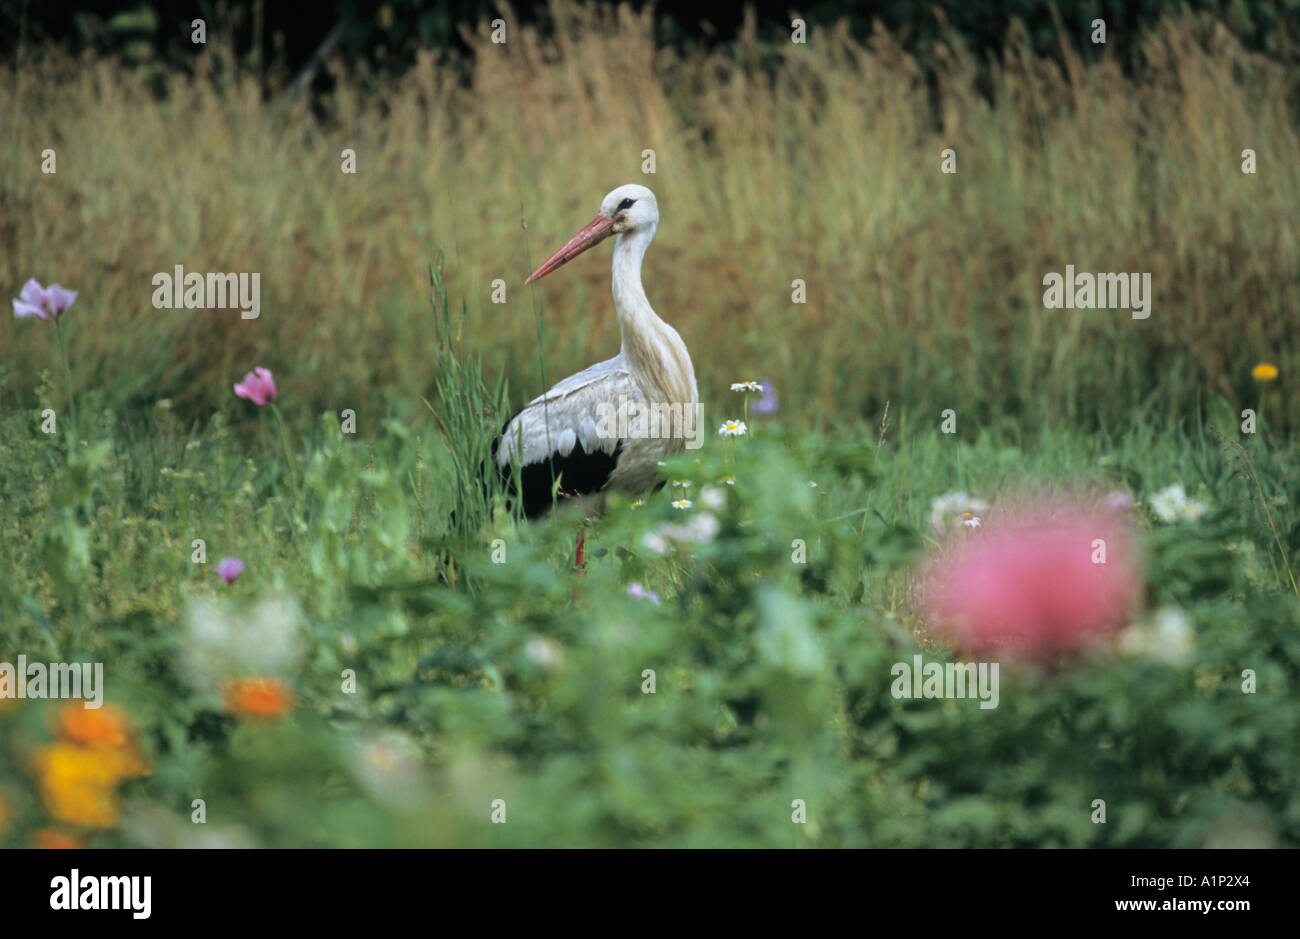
x: 561, y: 435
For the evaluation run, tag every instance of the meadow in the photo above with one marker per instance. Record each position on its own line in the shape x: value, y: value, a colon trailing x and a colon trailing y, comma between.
x: 380, y: 673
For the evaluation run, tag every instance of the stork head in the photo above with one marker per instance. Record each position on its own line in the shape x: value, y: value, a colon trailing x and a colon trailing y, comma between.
x: 627, y: 209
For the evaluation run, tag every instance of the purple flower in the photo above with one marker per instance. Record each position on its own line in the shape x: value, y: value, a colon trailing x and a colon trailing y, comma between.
x: 768, y: 403
x: 636, y: 590
x: 229, y: 569
x: 1121, y: 500
x: 47, y: 303
x: 258, y: 386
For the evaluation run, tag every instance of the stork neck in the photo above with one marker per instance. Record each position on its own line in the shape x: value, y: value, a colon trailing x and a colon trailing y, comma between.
x: 636, y: 318
x: 629, y: 295
x: 653, y: 351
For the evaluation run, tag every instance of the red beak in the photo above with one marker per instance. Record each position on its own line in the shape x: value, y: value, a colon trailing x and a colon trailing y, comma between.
x: 593, y: 233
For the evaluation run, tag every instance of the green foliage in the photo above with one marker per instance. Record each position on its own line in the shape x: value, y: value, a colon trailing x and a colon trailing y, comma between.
x: 771, y: 678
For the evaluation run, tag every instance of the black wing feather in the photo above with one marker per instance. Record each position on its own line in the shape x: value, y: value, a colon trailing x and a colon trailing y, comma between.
x: 580, y: 473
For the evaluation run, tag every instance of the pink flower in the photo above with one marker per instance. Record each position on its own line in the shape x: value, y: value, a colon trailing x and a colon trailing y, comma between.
x: 229, y: 569
x: 258, y: 386
x: 47, y: 303
x: 1035, y: 583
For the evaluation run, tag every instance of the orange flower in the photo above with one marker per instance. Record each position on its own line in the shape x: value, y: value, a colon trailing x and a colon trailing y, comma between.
x: 105, y: 725
x: 1264, y: 371
x: 262, y: 698
x: 105, y: 728
x: 50, y: 838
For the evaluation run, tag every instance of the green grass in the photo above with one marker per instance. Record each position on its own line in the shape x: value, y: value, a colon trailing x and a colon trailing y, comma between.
x: 771, y: 675
x: 921, y: 286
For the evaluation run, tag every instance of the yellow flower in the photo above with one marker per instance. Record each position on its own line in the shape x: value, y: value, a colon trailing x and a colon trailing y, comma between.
x: 78, y: 784
x: 78, y: 775
x: 1264, y: 371
x: 262, y: 698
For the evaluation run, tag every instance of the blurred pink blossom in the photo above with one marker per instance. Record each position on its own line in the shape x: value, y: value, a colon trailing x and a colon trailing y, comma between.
x: 47, y: 303
x: 258, y: 386
x: 1035, y: 582
x: 229, y: 569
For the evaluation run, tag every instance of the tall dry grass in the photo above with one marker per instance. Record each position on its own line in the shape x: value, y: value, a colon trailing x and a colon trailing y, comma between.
x: 922, y: 288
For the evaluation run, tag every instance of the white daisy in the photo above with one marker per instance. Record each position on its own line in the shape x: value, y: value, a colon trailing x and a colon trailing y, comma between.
x: 746, y: 386
x: 956, y: 508
x: 733, y: 429
x: 682, y: 504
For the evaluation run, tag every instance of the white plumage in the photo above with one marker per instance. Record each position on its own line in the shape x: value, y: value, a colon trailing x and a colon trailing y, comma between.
x: 572, y: 431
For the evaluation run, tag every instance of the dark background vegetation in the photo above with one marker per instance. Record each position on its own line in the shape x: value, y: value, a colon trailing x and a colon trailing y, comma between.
x: 385, y: 33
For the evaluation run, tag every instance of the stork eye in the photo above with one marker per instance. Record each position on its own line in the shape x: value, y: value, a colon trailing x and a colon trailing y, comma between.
x: 625, y: 204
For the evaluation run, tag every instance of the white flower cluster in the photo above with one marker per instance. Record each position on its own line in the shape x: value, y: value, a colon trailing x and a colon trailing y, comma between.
x: 953, y: 509
x: 702, y: 527
x: 1168, y: 637
x: 223, y: 643
x: 1172, y: 505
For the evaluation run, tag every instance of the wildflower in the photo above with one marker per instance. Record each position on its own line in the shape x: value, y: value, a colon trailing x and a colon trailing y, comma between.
x: 636, y: 590
x: 1027, y: 583
x: 229, y: 569
x: 1121, y: 500
x: 1168, y: 637
x: 682, y: 483
x: 258, y: 698
x: 104, y: 726
x: 258, y: 386
x: 47, y: 303
x: 1264, y: 371
x: 545, y: 652
x: 768, y: 403
x: 49, y: 839
x: 264, y: 640
x: 702, y: 527
x: 78, y: 784
x: 812, y: 485
x: 954, y: 508
x: 638, y: 503
x: 732, y: 429
x: 79, y: 773
x: 683, y: 504
x: 729, y: 480
x: 388, y: 763
x: 1172, y: 505
x: 656, y: 542
x: 746, y: 386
